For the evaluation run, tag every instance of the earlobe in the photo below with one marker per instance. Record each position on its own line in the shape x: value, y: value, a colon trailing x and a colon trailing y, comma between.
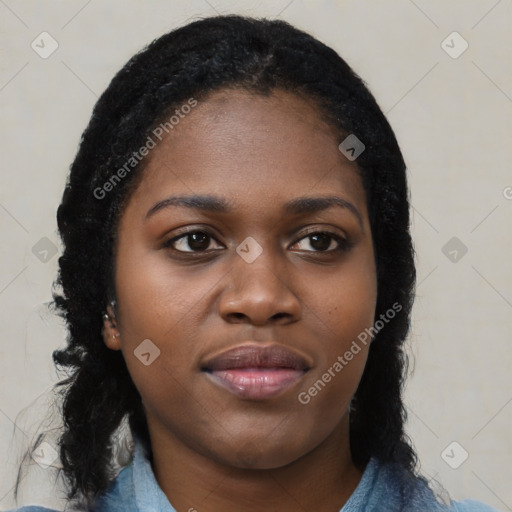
x: 111, y: 335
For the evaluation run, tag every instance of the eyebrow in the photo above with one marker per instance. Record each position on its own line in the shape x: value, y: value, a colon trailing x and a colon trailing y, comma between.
x: 215, y: 204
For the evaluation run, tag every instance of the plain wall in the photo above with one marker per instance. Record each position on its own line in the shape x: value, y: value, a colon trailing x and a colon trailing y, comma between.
x: 452, y: 118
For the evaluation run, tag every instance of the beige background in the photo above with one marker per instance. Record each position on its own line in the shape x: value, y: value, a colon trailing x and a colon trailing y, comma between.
x: 452, y: 117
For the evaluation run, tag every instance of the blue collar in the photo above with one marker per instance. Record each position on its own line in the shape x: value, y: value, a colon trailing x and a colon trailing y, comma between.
x: 382, y: 487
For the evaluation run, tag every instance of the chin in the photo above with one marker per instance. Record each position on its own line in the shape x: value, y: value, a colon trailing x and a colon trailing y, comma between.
x: 258, y: 455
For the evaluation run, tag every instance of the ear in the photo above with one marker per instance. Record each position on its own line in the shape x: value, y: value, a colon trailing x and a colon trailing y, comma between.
x: 111, y: 335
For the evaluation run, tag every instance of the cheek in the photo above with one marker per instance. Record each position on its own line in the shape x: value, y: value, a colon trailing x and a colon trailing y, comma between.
x: 329, y: 387
x: 156, y: 303
x: 347, y: 303
x: 345, y: 310
x: 155, y: 297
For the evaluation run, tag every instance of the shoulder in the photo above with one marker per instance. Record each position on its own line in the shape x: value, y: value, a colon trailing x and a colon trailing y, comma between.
x: 116, y: 498
x: 120, y: 495
x: 402, y: 488
x: 470, y: 506
x: 33, y: 508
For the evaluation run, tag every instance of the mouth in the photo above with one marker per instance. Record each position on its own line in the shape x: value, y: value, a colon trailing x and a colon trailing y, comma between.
x: 256, y: 372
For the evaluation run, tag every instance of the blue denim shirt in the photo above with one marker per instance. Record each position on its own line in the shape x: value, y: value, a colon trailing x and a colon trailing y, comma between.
x: 382, y: 488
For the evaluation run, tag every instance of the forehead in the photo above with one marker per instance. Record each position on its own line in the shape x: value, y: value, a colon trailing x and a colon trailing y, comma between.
x: 253, y: 148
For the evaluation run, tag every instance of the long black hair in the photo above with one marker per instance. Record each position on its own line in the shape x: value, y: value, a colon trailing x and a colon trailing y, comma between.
x: 191, y: 62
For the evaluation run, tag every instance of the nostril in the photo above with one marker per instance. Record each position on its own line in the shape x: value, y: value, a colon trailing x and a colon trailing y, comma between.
x: 238, y: 316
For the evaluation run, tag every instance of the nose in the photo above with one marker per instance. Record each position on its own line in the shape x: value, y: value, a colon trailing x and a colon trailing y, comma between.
x: 258, y: 294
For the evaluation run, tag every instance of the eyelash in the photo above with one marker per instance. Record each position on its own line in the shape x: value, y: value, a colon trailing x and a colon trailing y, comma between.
x: 343, y: 244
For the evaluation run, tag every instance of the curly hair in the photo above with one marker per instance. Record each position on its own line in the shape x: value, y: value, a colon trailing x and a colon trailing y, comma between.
x: 260, y: 56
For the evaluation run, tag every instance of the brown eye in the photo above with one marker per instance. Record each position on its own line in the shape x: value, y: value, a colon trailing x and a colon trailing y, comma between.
x: 193, y: 241
x: 322, y: 241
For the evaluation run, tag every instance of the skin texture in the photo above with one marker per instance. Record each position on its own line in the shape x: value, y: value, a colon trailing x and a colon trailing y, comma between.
x: 212, y: 449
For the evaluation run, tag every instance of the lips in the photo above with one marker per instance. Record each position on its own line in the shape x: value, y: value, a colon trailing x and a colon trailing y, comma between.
x: 256, y: 371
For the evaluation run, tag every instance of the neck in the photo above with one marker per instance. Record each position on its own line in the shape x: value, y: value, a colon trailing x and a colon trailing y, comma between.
x: 321, y: 480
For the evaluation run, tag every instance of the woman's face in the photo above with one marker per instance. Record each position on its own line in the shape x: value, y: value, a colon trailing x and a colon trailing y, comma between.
x: 246, y: 305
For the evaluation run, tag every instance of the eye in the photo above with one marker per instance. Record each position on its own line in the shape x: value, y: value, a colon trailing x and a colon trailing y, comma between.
x: 323, y: 241
x: 191, y: 241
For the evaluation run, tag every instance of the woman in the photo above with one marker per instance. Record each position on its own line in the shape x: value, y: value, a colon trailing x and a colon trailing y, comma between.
x: 237, y: 281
